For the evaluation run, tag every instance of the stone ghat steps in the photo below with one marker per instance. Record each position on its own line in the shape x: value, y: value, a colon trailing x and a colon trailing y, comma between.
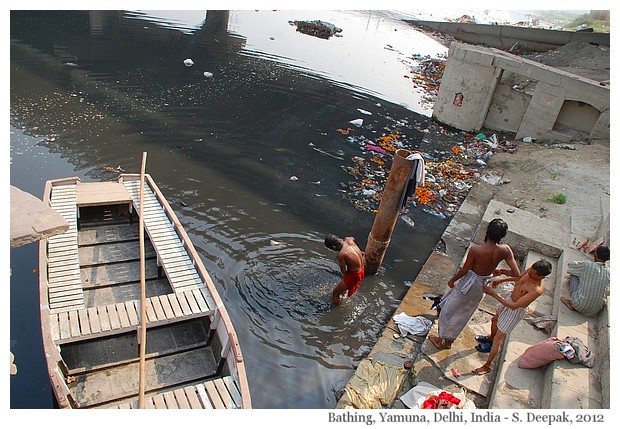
x: 560, y: 384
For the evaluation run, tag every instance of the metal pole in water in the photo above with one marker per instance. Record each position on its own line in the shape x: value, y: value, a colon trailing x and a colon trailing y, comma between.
x: 387, y: 215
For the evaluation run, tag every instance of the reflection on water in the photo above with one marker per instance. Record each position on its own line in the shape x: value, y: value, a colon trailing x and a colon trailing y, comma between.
x: 91, y: 91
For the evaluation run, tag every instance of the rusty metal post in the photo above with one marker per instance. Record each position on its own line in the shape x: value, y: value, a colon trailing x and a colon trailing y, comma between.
x: 387, y: 215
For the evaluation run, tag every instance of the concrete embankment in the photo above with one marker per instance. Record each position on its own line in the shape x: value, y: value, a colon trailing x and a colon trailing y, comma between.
x: 507, y: 36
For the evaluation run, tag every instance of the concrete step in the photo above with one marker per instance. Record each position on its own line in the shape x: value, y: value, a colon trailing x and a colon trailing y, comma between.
x: 569, y: 385
x: 589, y: 226
x: 561, y: 384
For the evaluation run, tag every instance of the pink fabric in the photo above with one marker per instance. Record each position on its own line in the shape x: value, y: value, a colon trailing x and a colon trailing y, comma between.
x: 376, y: 148
x: 540, y: 354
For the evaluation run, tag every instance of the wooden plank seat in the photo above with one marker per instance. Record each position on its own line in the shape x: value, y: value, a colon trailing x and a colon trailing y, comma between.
x: 63, y: 268
x: 171, y: 252
x: 215, y: 394
x: 77, y: 324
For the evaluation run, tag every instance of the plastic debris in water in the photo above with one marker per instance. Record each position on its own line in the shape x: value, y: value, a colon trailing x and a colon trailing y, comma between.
x: 357, y: 122
x: 208, y: 75
x: 408, y: 221
x: 188, y: 62
x: 364, y: 112
x: 375, y: 148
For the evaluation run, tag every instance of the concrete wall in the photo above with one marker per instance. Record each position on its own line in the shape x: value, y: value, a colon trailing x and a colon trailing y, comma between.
x: 562, y: 106
x: 505, y: 36
x: 507, y: 109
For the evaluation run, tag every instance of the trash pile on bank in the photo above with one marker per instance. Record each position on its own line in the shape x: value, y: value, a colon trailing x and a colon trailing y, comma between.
x: 450, y: 173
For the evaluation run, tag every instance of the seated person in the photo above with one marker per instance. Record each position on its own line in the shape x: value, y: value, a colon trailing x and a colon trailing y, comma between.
x: 588, y: 283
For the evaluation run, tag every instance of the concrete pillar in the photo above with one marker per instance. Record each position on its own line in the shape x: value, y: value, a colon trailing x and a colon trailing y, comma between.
x: 387, y: 215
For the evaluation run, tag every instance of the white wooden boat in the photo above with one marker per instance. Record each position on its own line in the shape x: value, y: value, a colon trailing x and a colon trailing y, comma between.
x: 90, y: 292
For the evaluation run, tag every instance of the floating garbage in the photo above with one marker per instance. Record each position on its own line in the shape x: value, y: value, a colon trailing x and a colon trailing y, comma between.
x: 357, y: 122
x: 376, y: 148
x: 294, y: 178
x: 188, y: 62
x: 208, y: 75
x: 408, y: 221
x: 364, y: 112
x: 317, y: 28
x: 449, y: 176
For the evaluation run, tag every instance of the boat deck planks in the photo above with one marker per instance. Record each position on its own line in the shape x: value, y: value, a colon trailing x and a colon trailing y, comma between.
x: 157, y: 224
x: 108, y: 233
x: 205, y: 395
x: 101, y: 193
x: 108, y: 275
x: 74, y: 325
x: 65, y: 283
x: 181, y: 368
x: 194, y: 397
x: 110, y: 253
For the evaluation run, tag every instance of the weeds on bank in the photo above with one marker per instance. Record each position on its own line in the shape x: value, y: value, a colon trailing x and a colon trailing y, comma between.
x: 558, y: 198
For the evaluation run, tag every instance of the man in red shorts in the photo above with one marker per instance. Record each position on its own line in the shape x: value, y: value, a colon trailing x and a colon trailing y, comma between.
x: 351, y: 261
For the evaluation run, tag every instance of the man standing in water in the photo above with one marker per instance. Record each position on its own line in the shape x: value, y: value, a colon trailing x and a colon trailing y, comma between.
x: 351, y: 261
x: 462, y: 299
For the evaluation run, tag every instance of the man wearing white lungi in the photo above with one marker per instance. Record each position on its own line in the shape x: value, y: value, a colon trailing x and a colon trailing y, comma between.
x: 462, y: 299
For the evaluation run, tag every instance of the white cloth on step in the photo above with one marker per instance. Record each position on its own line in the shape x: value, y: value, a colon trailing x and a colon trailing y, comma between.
x: 415, y: 325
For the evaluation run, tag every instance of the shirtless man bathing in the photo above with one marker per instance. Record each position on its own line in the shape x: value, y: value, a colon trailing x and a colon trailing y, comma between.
x: 509, y: 312
x: 351, y: 261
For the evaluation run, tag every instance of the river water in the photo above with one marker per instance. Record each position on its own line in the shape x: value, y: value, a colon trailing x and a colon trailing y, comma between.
x: 91, y: 91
